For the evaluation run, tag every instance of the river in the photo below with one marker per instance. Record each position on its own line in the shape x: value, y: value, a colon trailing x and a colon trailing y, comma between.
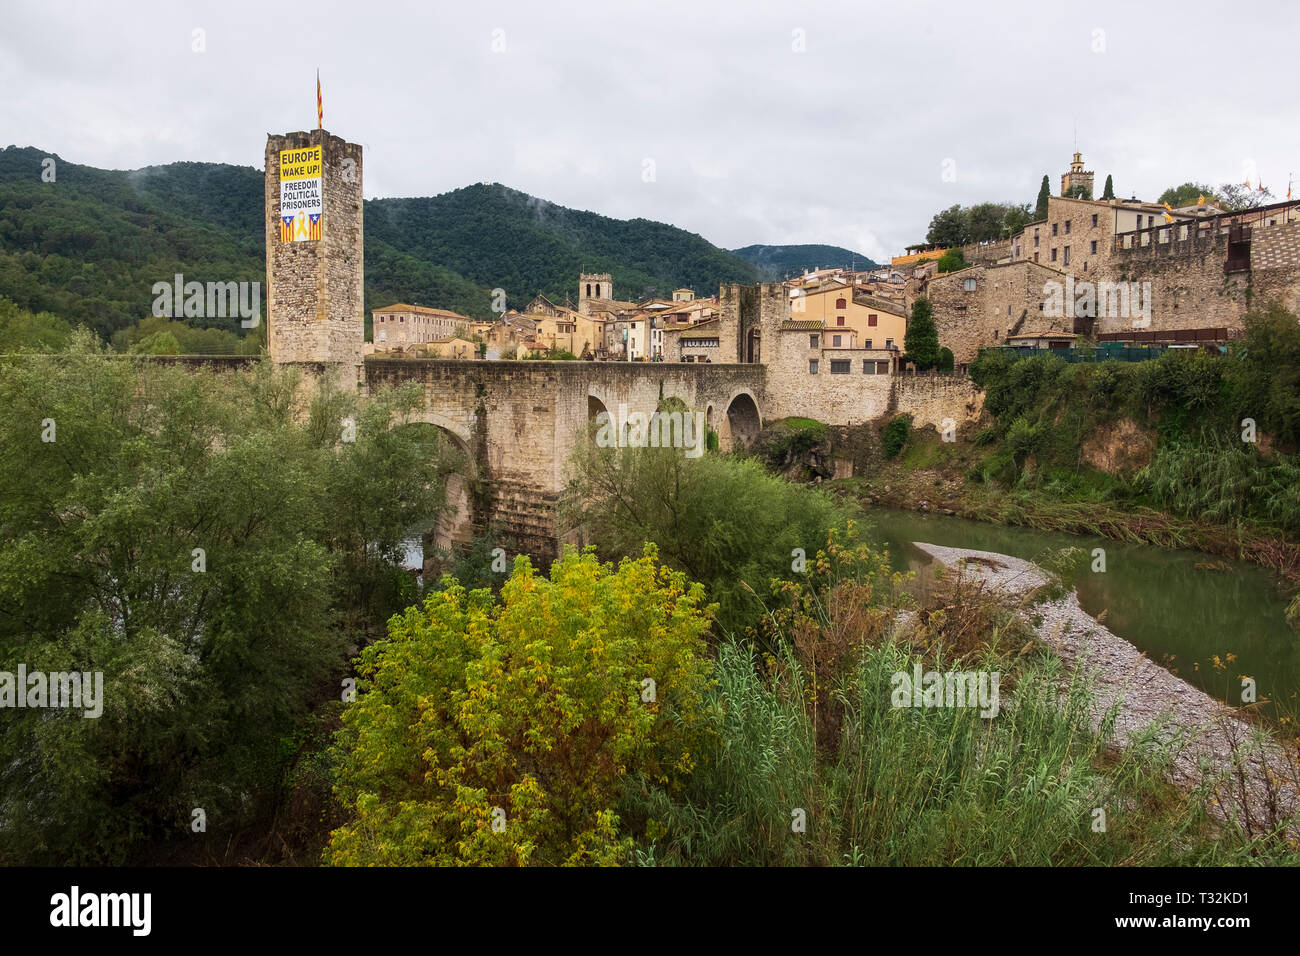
x: 1156, y: 599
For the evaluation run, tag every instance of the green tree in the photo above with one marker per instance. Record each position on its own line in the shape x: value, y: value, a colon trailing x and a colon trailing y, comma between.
x: 951, y: 227
x: 189, y: 538
x: 985, y: 221
x: 506, y: 733
x: 1044, y: 194
x: 1016, y: 218
x: 21, y: 330
x: 1081, y: 191
x: 160, y: 343
x: 725, y: 522
x: 1237, y: 197
x: 951, y: 261
x: 921, y: 341
x: 1186, y: 195
x: 1108, y: 191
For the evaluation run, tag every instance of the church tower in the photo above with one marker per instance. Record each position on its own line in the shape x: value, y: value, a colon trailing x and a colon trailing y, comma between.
x: 315, y: 273
x: 1077, y: 177
x: 593, y: 286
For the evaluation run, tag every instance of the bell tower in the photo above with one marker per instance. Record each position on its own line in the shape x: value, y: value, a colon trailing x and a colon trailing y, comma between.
x: 1077, y: 177
x: 592, y: 285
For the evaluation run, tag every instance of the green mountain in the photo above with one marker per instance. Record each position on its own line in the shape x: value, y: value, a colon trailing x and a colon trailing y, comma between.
x: 781, y: 262
x: 89, y: 245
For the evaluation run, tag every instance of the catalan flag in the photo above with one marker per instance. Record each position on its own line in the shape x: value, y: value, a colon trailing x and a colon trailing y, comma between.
x: 320, y: 106
x: 1201, y: 201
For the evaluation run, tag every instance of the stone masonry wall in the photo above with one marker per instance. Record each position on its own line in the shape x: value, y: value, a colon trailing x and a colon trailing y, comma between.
x: 315, y: 289
x: 1005, y: 301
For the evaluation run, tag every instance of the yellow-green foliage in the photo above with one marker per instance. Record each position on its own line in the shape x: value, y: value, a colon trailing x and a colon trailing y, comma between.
x: 534, y: 707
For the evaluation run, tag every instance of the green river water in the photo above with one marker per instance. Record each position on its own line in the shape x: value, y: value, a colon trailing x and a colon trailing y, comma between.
x: 1156, y: 599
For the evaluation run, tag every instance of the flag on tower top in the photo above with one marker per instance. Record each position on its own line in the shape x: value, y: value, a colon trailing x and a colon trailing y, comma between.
x: 320, y: 108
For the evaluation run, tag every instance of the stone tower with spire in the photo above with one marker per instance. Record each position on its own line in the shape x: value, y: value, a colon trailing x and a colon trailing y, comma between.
x: 1077, y: 176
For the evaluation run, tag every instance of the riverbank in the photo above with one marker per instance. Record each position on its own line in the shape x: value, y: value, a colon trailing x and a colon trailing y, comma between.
x: 1249, y: 776
x: 936, y: 477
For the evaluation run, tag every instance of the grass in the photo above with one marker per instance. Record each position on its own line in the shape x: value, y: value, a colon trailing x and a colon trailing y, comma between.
x: 1035, y: 785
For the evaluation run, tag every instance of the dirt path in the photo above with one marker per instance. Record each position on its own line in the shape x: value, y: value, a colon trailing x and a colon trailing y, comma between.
x: 1261, y: 783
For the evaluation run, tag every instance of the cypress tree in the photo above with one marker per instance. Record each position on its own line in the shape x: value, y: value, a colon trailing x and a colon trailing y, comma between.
x: 921, y: 341
x: 1109, y: 191
x: 1044, y: 193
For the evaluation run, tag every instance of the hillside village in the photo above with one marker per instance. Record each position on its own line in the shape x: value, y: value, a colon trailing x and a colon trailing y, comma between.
x: 1119, y: 273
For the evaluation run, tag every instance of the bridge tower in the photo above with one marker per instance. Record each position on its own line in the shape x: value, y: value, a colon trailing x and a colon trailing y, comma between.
x: 315, y: 254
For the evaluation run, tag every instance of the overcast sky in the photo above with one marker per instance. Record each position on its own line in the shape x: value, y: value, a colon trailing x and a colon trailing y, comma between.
x: 752, y: 139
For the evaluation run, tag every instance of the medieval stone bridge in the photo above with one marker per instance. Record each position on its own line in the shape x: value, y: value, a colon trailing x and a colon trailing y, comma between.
x: 519, y: 422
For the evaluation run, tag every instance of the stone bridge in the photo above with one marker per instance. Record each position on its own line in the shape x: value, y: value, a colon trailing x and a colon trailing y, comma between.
x: 518, y: 423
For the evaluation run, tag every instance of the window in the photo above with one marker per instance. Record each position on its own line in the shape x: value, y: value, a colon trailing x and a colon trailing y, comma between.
x: 840, y: 366
x: 872, y: 319
x: 868, y: 345
x: 1094, y: 220
x: 1054, y: 228
x: 882, y: 368
x: 889, y: 343
x: 868, y: 367
x: 1035, y: 238
x: 812, y: 341
x: 968, y: 285
x: 1053, y: 255
x: 841, y: 304
x: 835, y: 341
x: 1035, y: 257
x: 1067, y: 227
x: 839, y: 320
x: 1067, y: 255
x: 1092, y: 249
x: 812, y: 366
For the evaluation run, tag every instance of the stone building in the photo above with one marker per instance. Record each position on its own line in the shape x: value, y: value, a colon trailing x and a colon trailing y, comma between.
x: 1130, y: 270
x: 401, y: 325
x: 984, y: 305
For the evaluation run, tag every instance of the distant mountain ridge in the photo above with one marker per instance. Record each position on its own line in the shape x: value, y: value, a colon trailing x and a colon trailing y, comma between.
x: 781, y: 262
x: 89, y: 246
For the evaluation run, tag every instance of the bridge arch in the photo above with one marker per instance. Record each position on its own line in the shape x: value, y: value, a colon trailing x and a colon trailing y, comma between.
x: 454, y: 526
x: 742, y: 421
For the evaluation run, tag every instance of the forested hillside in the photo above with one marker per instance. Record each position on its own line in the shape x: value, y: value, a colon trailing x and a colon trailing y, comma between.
x: 89, y: 245
x: 781, y: 262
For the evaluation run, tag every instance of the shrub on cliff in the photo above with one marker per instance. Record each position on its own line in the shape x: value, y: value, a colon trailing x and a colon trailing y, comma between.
x: 895, y: 435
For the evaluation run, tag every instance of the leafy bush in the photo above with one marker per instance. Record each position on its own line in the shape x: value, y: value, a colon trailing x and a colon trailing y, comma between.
x: 187, y: 536
x: 895, y: 435
x: 505, y: 733
x: 726, y: 522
